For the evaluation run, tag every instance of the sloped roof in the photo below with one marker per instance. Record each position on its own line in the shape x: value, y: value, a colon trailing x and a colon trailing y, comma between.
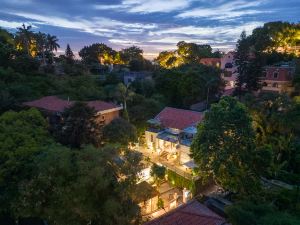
x: 178, y: 118
x: 192, y: 213
x: 210, y: 61
x: 55, y: 104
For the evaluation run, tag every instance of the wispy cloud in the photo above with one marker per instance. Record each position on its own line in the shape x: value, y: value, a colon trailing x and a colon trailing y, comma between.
x: 148, y: 6
x: 225, y: 11
x: 97, y: 25
x: 124, y: 42
x: 13, y: 24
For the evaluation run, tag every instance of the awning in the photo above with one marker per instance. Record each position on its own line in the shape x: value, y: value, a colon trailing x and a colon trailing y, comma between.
x: 190, y: 164
x: 190, y: 130
x: 168, y: 137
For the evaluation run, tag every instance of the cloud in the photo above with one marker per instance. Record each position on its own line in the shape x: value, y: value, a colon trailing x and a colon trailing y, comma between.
x: 222, y: 31
x: 124, y: 42
x: 13, y: 24
x: 225, y: 11
x: 99, y: 26
x: 148, y: 6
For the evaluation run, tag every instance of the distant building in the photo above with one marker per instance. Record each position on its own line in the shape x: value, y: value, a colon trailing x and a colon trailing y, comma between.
x: 229, y: 68
x: 278, y: 78
x: 191, y: 213
x: 170, y: 135
x: 215, y: 62
x: 130, y: 77
x: 53, y: 107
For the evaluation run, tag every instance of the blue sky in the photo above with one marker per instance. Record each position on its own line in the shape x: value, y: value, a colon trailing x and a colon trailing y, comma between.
x: 153, y: 25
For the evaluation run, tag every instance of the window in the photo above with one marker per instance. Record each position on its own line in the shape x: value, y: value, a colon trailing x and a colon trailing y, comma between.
x: 264, y: 84
x: 151, y: 138
x: 275, y: 85
x: 275, y: 74
x: 264, y: 74
x: 228, y: 65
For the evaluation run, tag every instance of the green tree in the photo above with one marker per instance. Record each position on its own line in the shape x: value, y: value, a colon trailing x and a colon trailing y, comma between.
x: 92, y: 186
x: 132, y: 53
x: 119, y: 131
x: 22, y: 136
x: 41, y: 42
x: 158, y: 173
x: 69, y: 55
x: 187, y: 85
x: 251, y: 213
x: 78, y: 126
x: 7, y: 48
x: 249, y: 65
x: 224, y: 147
x: 52, y: 45
x: 24, y: 39
x: 123, y: 93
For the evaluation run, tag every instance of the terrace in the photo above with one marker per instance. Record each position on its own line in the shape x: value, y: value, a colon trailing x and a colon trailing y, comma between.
x: 167, y: 161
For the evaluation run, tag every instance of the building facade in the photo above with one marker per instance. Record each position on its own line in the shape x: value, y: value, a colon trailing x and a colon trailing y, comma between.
x: 215, y: 62
x: 170, y: 135
x: 278, y: 78
x: 53, y: 107
x: 229, y: 69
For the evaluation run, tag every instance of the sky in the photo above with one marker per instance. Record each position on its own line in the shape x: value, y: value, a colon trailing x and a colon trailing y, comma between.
x: 153, y: 25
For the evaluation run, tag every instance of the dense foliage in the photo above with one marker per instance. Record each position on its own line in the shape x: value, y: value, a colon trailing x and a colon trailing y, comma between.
x: 187, y: 85
x: 224, y: 146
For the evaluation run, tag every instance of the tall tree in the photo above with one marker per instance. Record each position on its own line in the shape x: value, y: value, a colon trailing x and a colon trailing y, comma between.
x: 249, y: 64
x: 7, y: 47
x: 69, y: 54
x: 41, y: 42
x: 224, y: 147
x: 78, y: 126
x: 91, y: 186
x: 52, y: 45
x: 123, y: 94
x: 24, y: 39
x: 22, y: 136
x: 120, y: 131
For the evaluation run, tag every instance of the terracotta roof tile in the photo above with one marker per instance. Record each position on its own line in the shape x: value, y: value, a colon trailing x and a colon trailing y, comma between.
x: 192, y: 213
x: 178, y: 118
x: 55, y: 104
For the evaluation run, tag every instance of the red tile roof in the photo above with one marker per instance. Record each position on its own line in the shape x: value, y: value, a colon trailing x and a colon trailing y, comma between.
x: 178, y: 118
x: 228, y: 92
x: 211, y: 61
x: 192, y: 213
x: 55, y: 104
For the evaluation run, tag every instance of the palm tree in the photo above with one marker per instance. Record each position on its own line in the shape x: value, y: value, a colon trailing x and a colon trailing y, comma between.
x: 123, y: 94
x: 52, y: 44
x: 24, y: 38
x: 41, y: 42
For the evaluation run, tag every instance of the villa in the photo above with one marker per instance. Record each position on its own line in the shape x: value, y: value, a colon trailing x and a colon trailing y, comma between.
x: 229, y: 69
x: 169, y: 137
x: 52, y: 107
x: 278, y: 78
x: 215, y: 62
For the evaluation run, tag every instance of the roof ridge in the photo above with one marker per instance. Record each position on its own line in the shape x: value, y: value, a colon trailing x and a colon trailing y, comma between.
x: 202, y: 215
x: 189, y: 110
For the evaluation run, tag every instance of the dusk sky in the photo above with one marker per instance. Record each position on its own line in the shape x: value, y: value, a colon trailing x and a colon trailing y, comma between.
x: 153, y: 25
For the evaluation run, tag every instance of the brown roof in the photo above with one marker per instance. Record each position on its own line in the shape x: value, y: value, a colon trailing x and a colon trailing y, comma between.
x: 178, y: 118
x: 55, y: 104
x: 211, y: 61
x: 192, y: 213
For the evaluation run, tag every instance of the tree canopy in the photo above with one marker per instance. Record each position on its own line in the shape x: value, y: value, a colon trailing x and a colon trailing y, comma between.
x: 224, y: 146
